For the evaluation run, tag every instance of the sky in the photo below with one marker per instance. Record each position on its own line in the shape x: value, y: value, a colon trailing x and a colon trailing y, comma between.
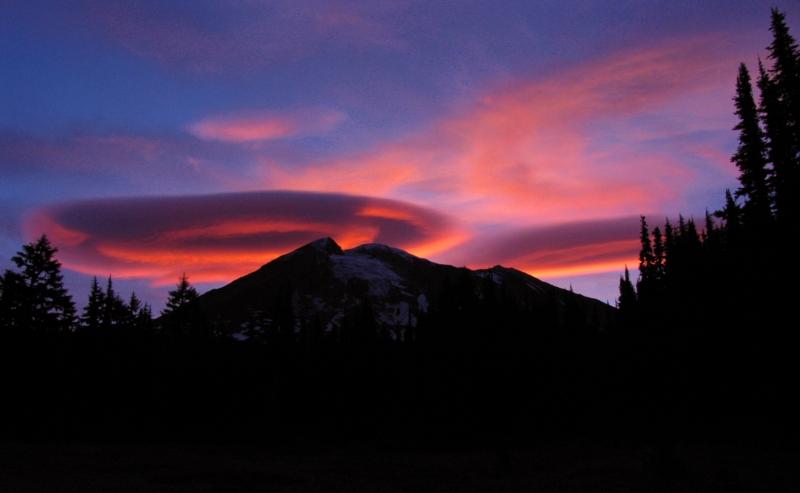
x: 151, y: 138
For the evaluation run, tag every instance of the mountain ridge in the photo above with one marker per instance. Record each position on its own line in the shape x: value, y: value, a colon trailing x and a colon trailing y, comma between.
x: 323, y: 286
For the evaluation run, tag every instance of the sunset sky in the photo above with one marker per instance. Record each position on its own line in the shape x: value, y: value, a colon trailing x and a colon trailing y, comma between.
x: 149, y: 138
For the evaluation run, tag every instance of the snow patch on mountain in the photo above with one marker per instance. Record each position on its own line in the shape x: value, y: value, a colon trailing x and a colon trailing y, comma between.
x: 372, y: 248
x: 378, y: 275
x: 396, y: 314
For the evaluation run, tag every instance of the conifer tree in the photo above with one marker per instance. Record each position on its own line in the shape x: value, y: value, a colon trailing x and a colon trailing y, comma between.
x: 627, y: 294
x: 783, y: 52
x: 731, y: 214
x: 145, y: 316
x: 93, y: 311
x: 692, y: 236
x: 132, y: 309
x: 669, y: 245
x: 750, y: 157
x: 134, y: 305
x: 646, y: 262
x: 646, y: 252
x: 778, y: 141
x: 138, y: 315
x: 658, y: 255
x: 180, y: 296
x: 782, y: 112
x: 114, y: 309
x: 710, y: 236
x: 38, y: 299
x: 144, y: 319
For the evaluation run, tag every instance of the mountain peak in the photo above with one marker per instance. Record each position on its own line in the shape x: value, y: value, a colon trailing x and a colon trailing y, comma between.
x: 326, y: 245
x: 330, y: 290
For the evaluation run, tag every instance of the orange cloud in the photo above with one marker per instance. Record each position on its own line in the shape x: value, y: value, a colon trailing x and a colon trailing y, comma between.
x: 593, y: 258
x: 265, y: 125
x: 542, y: 151
x: 216, y: 238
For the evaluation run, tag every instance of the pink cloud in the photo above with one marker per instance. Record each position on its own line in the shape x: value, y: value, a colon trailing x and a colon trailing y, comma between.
x: 255, y: 126
x: 544, y: 150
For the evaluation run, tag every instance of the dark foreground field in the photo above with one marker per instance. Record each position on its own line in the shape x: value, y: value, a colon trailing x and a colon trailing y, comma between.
x: 564, y: 467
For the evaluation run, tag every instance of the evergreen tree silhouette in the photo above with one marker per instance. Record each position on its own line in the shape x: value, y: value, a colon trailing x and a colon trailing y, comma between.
x: 114, y: 313
x: 183, y: 294
x: 778, y: 141
x: 144, y: 318
x: 93, y: 311
x: 646, y: 262
x: 750, y: 156
x: 669, y: 247
x: 709, y: 228
x: 732, y: 215
x: 36, y: 294
x: 627, y: 297
x: 783, y: 51
x: 134, y: 305
x: 659, y: 255
x: 135, y: 316
x: 783, y: 114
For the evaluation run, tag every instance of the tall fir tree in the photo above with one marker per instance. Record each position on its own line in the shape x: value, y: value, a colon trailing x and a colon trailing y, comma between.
x: 659, y: 255
x: 710, y: 235
x: 646, y: 261
x: 732, y: 215
x: 114, y: 312
x: 669, y: 246
x: 132, y: 309
x: 783, y: 112
x: 783, y: 52
x: 750, y: 156
x: 93, y: 311
x: 778, y: 141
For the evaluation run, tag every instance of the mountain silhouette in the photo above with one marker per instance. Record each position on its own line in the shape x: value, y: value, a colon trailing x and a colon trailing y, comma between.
x: 393, y: 291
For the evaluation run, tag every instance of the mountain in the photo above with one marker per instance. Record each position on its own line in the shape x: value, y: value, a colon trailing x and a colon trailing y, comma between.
x: 323, y: 290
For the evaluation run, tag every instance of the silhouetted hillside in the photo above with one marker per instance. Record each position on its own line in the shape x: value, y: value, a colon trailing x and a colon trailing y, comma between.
x: 321, y: 289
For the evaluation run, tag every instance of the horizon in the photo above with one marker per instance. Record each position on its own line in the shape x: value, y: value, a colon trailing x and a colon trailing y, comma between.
x: 148, y: 140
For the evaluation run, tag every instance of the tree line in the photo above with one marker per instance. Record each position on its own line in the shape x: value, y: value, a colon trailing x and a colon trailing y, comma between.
x: 33, y: 299
x: 731, y: 272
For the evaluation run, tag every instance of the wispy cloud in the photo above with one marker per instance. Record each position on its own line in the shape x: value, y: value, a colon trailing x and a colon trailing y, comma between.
x: 548, y: 150
x: 239, y: 36
x: 258, y: 126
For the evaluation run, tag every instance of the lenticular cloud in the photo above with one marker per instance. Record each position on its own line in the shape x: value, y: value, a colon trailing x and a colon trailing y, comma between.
x: 215, y: 238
